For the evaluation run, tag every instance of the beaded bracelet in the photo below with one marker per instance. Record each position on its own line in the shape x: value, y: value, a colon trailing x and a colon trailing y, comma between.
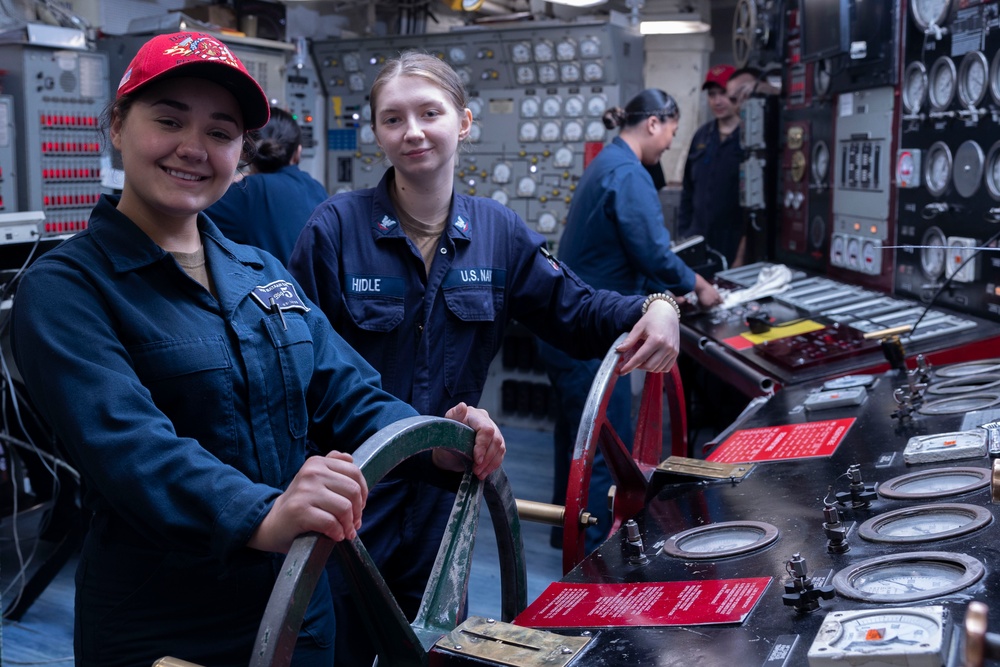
x: 661, y: 296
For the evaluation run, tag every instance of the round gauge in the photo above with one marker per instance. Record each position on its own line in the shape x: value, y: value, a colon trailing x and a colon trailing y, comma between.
x: 870, y: 253
x: 854, y: 253
x: 528, y: 131
x: 547, y: 223
x: 525, y: 75
x: 933, y: 253
x: 573, y: 131
x: 530, y: 107
x: 552, y: 106
x: 526, y: 187
x: 721, y: 540
x: 547, y: 74
x: 569, y: 72
x: 566, y: 49
x: 943, y: 80
x: 573, y: 106
x: 352, y: 62
x: 501, y: 173
x: 910, y: 636
x: 820, y: 162
x: 544, y: 52
x: 521, y: 52
x: 475, y: 105
x: 550, y: 131
x: 475, y: 133
x: 595, y: 131
x: 993, y: 170
x: 367, y: 134
x: 366, y: 113
x: 929, y: 12
x: 849, y: 382
x: 798, y: 166
x: 967, y: 172
x: 593, y: 71
x: 464, y: 75
x: 817, y: 232
x: 821, y: 77
x: 972, y: 78
x: 925, y: 523
x: 563, y: 157
x: 995, y: 78
x: 963, y: 385
x: 967, y: 368
x: 914, y: 86
x: 590, y: 47
x: 356, y: 82
x: 937, y: 168
x: 908, y: 577
x: 596, y: 105
x: 936, y: 483
x: 500, y: 196
x: 959, y: 405
x: 457, y: 55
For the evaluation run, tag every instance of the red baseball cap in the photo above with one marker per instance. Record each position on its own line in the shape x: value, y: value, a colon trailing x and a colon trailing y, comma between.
x: 199, y: 55
x: 718, y: 76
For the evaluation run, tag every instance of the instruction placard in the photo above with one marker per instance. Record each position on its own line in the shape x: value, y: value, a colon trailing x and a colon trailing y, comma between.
x: 783, y: 443
x: 566, y: 605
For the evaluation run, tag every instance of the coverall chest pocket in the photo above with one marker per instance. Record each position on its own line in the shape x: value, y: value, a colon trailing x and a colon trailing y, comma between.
x: 185, y: 377
x: 293, y: 343
x: 375, y: 331
x: 470, y: 336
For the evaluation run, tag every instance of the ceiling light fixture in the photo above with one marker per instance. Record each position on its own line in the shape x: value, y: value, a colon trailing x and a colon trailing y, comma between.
x: 676, y: 24
x: 577, y: 3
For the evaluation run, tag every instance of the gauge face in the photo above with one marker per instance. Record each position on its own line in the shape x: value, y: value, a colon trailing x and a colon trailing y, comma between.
x: 563, y: 157
x: 525, y: 74
x: 476, y: 107
x: 500, y: 196
x: 910, y: 636
x: 356, y: 82
x: 544, y: 52
x: 932, y: 254
x: 501, y: 173
x: 530, y: 107
x: 798, y: 166
x: 937, y: 169
x: 521, y: 52
x: 457, y: 55
x: 821, y: 77
x: 929, y: 12
x: 995, y: 78
x: 475, y: 133
x: 908, y: 577
x: 590, y: 47
x: 596, y: 105
x: 854, y: 253
x: 968, y: 368
x: 569, y: 72
x: 992, y: 169
x: 552, y: 107
x: 550, y: 131
x: 593, y: 71
x: 967, y: 172
x: 573, y: 107
x: 566, y: 49
x: 367, y: 134
x: 595, y: 131
x: 547, y: 223
x: 943, y: 80
x: 972, y: 78
x: 366, y: 113
x: 528, y: 131
x: 526, y: 187
x: 848, y: 382
x: 721, y: 540
x: 925, y: 523
x: 914, y: 86
x: 547, y: 74
x: 963, y: 385
x: 957, y: 405
x: 352, y: 62
x: 937, y: 483
x: 573, y: 131
x: 464, y: 74
x: 817, y: 232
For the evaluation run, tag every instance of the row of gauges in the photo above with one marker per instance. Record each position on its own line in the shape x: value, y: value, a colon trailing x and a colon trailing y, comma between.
x: 944, y: 82
x: 964, y: 169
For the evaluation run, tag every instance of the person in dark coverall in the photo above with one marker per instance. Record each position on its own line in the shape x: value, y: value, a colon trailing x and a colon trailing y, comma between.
x: 269, y: 207
x: 423, y: 281
x: 615, y: 239
x: 184, y: 374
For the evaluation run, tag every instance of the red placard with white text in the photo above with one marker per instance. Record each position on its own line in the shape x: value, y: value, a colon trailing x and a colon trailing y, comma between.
x: 663, y: 603
x: 783, y: 443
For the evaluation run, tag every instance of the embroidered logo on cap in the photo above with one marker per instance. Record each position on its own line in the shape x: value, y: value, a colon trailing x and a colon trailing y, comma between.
x: 204, y: 47
x: 280, y: 294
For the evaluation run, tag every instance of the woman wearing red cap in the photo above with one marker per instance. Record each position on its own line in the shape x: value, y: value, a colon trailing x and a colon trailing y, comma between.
x: 183, y: 374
